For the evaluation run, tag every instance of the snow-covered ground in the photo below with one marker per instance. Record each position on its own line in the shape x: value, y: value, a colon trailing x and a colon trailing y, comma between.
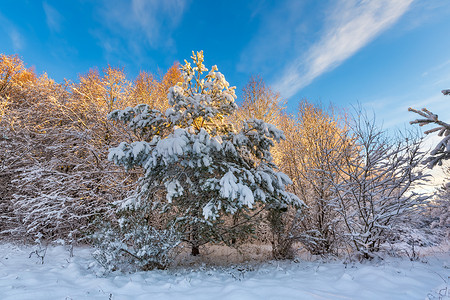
x: 78, y: 277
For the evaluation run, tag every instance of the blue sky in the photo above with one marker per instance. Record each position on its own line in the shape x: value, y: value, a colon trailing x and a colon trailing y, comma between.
x: 384, y: 54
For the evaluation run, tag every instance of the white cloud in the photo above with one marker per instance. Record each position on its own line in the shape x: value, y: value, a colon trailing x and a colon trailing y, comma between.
x: 153, y: 20
x: 349, y: 26
x: 52, y: 17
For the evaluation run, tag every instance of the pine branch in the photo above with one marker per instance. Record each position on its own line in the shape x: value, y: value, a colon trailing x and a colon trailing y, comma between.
x: 442, y: 150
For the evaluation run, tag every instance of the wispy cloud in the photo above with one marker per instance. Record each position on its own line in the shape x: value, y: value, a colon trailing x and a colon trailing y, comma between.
x: 438, y: 68
x: 282, y: 33
x: 52, y: 17
x: 424, y: 11
x: 397, y: 116
x: 349, y: 26
x: 16, y: 38
x: 151, y: 21
x: 8, y: 28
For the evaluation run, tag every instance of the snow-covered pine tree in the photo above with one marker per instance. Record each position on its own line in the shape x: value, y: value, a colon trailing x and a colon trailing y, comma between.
x: 205, y: 169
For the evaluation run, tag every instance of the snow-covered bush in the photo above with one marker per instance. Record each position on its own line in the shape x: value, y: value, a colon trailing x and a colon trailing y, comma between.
x: 10, y: 162
x: 59, y: 205
x: 54, y: 182
x: 355, y: 180
x: 206, y: 170
x: 373, y: 191
x: 315, y: 145
x: 439, y: 210
x: 13, y: 77
x: 55, y: 178
x: 133, y: 245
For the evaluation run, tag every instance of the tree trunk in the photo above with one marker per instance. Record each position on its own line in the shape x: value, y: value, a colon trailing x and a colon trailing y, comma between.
x: 195, y: 250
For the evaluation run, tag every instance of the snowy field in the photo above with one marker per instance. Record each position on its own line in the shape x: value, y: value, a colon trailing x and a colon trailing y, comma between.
x: 78, y: 277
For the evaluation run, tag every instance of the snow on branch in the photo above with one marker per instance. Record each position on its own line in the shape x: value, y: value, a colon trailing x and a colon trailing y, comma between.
x: 442, y: 150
